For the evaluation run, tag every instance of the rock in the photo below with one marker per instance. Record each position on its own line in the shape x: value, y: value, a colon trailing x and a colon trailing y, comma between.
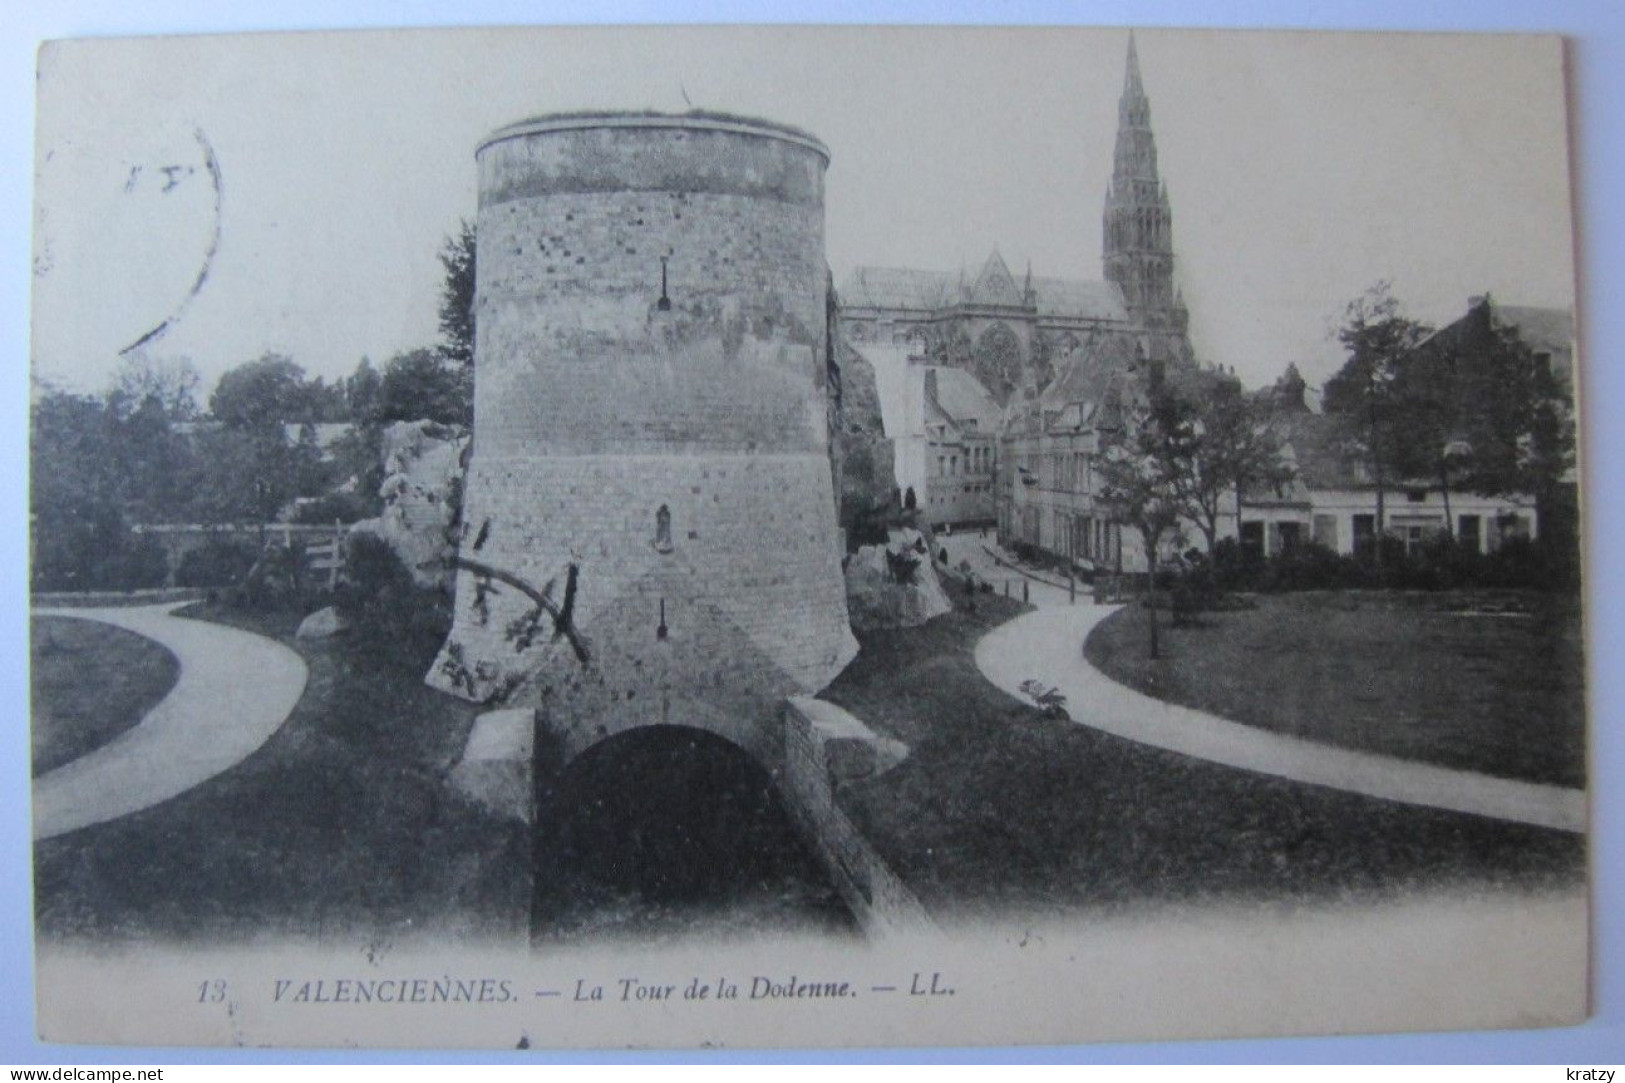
x: 321, y: 624
x: 495, y: 769
x: 422, y: 491
x: 883, y: 592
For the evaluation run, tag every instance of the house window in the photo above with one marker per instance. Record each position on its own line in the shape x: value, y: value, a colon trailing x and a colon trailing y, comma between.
x: 1416, y: 496
x: 1326, y: 531
x: 1252, y: 539
x: 1365, y: 534
x: 1470, y: 532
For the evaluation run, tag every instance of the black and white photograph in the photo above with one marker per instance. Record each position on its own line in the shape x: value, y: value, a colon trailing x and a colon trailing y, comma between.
x: 804, y: 536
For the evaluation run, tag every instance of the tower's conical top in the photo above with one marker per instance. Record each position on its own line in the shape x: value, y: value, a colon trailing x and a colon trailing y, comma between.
x: 1132, y: 88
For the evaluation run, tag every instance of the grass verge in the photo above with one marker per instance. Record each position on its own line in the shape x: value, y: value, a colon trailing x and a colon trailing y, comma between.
x: 90, y: 682
x: 339, y: 826
x: 1487, y: 682
x: 998, y: 808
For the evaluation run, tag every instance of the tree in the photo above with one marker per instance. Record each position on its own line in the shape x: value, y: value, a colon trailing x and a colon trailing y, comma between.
x: 363, y: 391
x: 248, y: 475
x: 1232, y: 448
x: 172, y: 382
x: 1516, y: 422
x: 423, y: 385
x: 457, y: 258
x: 1144, y: 474
x: 261, y: 394
x: 82, y: 478
x: 250, y: 468
x: 1378, y: 337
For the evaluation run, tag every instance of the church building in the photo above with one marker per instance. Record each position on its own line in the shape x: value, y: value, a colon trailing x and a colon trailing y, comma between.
x: 1045, y: 349
x: 1046, y: 487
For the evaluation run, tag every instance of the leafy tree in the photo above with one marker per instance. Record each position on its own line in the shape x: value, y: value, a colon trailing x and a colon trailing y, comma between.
x: 322, y: 401
x: 1378, y: 338
x: 1516, y: 423
x: 457, y: 258
x: 1145, y: 474
x: 1231, y: 448
x: 157, y: 466
x: 423, y: 385
x: 261, y: 394
x: 363, y: 391
x: 80, y: 497
x: 248, y: 474
x: 172, y: 382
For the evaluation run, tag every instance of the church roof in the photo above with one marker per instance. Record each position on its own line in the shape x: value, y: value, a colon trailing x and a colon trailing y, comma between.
x: 1079, y: 299
x: 928, y: 291
x: 898, y: 287
x: 995, y: 285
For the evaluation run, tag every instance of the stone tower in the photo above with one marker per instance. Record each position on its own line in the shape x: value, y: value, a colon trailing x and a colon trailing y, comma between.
x: 1137, y: 227
x: 649, y: 518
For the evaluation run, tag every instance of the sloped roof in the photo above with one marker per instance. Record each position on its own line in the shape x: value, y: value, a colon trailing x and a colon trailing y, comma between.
x: 1326, y: 449
x: 962, y: 397
x: 900, y: 385
x: 995, y: 286
x: 928, y: 291
x: 1080, y: 299
x: 1548, y: 329
x: 1095, y: 375
x: 898, y: 287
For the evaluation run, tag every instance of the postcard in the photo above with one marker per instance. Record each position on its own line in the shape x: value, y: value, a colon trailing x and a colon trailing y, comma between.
x: 756, y: 536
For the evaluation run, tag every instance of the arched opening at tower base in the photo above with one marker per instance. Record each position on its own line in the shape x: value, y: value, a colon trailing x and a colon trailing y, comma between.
x: 669, y: 830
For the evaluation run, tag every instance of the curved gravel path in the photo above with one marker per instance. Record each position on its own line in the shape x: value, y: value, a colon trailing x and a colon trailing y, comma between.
x: 235, y: 689
x: 1047, y: 646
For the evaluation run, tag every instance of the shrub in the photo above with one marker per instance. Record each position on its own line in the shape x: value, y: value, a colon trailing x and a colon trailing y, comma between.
x: 386, y: 610
x: 1307, y: 566
x: 80, y: 549
x: 902, y: 566
x: 219, y: 562
x: 275, y: 581
x: 1234, y: 567
x: 1520, y: 562
x: 866, y: 522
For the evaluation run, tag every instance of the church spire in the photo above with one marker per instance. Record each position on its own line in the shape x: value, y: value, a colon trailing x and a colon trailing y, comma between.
x: 1137, y: 245
x: 1131, y: 74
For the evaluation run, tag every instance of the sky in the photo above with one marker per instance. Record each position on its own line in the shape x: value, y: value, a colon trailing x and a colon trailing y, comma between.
x: 290, y: 192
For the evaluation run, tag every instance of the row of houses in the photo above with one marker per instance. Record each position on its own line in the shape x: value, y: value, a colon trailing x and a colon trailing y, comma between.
x: 995, y: 393
x: 1028, y: 467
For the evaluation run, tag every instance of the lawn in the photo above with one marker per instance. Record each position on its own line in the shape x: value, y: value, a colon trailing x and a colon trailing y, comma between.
x: 997, y: 806
x: 1488, y: 682
x: 341, y: 825
x: 90, y: 683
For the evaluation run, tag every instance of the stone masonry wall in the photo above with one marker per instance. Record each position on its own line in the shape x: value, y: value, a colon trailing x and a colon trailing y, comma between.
x: 651, y: 455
